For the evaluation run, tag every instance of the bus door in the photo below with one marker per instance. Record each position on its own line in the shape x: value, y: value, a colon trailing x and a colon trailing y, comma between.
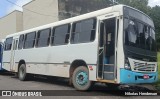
x: 14, y: 48
x: 107, y: 69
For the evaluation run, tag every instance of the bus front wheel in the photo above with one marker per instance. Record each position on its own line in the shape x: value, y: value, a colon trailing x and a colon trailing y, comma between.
x: 80, y: 79
x: 22, y: 75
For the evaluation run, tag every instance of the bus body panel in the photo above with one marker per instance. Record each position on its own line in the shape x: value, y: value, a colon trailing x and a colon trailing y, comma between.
x: 59, y: 54
x: 131, y: 77
x: 138, y: 73
x: 51, y: 60
x: 67, y: 53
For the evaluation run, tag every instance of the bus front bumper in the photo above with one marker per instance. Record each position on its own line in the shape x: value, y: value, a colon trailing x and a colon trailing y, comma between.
x: 131, y: 77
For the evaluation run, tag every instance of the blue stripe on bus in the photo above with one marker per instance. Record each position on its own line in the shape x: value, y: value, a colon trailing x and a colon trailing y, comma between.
x: 130, y: 77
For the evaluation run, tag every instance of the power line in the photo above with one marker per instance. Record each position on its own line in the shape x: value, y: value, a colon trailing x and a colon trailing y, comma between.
x: 30, y: 10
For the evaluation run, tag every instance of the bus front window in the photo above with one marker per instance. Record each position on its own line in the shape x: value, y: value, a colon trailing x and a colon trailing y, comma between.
x: 139, y: 35
x: 131, y: 34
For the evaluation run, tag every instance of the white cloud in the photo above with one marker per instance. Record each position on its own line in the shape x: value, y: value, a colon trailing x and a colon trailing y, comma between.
x: 153, y: 3
x: 18, y: 6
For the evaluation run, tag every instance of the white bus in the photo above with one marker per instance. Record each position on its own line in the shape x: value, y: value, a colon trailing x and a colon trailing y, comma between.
x: 115, y: 45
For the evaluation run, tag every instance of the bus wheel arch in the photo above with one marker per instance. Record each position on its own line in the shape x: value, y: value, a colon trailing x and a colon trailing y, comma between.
x: 20, y: 63
x: 75, y: 64
x: 78, y: 70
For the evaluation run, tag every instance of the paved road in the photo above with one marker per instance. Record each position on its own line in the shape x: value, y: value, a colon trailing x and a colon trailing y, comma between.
x: 9, y: 82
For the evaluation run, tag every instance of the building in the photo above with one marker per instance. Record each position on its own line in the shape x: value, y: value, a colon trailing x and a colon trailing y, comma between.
x: 39, y: 12
x: 11, y: 23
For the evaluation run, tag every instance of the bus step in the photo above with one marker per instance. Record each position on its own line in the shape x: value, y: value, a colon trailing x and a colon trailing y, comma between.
x: 108, y: 69
x: 108, y: 72
x: 108, y: 75
x: 108, y: 64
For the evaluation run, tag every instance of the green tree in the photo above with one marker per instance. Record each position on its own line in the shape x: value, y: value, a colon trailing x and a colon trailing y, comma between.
x: 77, y: 7
x: 85, y: 6
x: 155, y: 15
x: 142, y: 5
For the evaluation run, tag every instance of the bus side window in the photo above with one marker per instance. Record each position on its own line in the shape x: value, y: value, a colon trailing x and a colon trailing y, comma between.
x: 60, y: 35
x: 43, y: 38
x: 83, y: 31
x: 15, y: 45
x: 21, y: 41
x: 29, y: 40
x: 8, y: 44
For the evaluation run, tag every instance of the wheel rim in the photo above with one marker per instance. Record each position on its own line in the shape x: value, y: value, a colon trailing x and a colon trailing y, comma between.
x: 82, y: 78
x: 22, y: 72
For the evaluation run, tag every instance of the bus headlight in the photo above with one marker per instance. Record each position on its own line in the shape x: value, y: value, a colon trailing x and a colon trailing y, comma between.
x: 127, y: 65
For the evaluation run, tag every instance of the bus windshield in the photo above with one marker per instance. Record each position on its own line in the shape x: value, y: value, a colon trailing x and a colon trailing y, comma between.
x: 139, y: 35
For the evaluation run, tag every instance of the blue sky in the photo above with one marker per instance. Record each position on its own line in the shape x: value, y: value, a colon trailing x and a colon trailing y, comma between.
x: 6, y: 7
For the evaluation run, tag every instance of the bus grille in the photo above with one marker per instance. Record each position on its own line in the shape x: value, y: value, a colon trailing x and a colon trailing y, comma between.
x: 144, y: 67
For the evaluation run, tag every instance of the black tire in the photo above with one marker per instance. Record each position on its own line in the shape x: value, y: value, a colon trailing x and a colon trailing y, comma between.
x: 77, y: 79
x: 22, y: 75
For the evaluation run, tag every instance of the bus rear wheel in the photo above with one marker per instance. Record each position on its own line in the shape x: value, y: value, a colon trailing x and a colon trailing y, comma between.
x: 22, y: 75
x: 80, y: 79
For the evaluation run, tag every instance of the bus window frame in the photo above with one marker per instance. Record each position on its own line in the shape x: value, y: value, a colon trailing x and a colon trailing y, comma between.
x: 34, y: 40
x: 96, y: 23
x: 49, y: 37
x: 52, y: 36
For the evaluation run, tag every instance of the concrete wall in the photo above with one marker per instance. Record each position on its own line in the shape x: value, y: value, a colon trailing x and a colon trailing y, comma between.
x: 39, y: 12
x: 19, y: 21
x: 11, y: 23
x: 71, y: 8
